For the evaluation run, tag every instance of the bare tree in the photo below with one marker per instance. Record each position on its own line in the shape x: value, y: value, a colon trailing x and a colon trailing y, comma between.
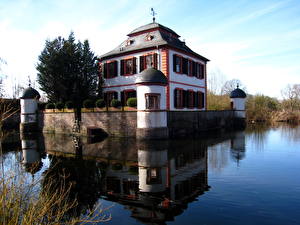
x: 215, y: 81
x: 2, y: 93
x: 230, y: 85
x: 291, y: 96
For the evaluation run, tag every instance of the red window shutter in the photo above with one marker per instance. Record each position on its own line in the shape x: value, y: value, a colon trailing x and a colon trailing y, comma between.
x: 142, y: 63
x: 185, y: 65
x: 134, y: 65
x: 115, y: 94
x: 105, y: 70
x: 174, y: 63
x: 122, y: 67
x: 194, y: 99
x: 194, y: 65
x: 201, y: 71
x: 175, y: 98
x: 155, y: 60
x: 115, y: 69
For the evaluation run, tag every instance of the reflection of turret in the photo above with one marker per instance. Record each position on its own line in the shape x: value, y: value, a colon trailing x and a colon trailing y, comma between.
x: 238, y: 146
x: 152, y: 170
x: 32, y: 151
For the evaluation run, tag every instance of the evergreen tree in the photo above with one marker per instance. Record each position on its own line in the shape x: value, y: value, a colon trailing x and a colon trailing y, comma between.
x: 68, y: 70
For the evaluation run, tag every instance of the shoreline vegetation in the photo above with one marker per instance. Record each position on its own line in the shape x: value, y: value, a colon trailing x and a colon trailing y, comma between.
x: 26, y: 202
x: 261, y: 108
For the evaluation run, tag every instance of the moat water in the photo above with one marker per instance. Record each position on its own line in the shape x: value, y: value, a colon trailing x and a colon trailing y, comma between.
x: 244, y: 177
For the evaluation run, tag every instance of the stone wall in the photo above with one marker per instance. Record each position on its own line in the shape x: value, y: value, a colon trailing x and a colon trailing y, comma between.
x: 181, y: 124
x: 121, y: 124
x: 124, y: 124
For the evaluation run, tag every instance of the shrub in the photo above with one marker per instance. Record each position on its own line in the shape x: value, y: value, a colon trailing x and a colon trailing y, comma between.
x: 115, y: 103
x: 100, y: 103
x: 117, y: 166
x: 59, y: 105
x: 88, y: 103
x: 50, y: 106
x: 132, y: 102
x: 69, y: 105
x: 42, y: 105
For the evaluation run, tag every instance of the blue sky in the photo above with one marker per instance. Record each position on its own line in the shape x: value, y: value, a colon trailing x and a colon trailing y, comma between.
x: 257, y: 42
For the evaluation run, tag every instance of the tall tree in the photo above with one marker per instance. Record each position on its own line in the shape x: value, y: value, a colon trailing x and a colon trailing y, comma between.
x: 68, y: 70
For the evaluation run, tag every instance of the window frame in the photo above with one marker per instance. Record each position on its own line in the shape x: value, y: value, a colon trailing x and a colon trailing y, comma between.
x: 180, y: 98
x: 157, y: 103
x: 107, y: 73
x: 143, y: 61
x: 124, y: 69
x: 201, y: 99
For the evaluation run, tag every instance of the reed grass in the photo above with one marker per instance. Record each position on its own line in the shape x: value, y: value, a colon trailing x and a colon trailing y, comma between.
x: 23, y: 202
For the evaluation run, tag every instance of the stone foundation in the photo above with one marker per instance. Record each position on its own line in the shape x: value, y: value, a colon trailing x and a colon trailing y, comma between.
x: 124, y: 123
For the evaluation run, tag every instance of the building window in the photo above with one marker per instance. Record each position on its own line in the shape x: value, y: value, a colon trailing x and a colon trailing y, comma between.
x: 153, y: 176
x: 200, y: 71
x: 177, y: 64
x: 152, y: 101
x: 148, y: 61
x: 110, y: 69
x: 178, y: 98
x: 126, y: 94
x: 191, y: 68
x: 129, y: 42
x: 110, y: 95
x: 128, y: 66
x: 200, y: 100
x: 190, y: 99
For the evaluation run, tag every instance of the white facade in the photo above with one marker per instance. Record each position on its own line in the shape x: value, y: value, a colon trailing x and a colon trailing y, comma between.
x: 29, y: 108
x: 238, y: 104
x: 151, y: 118
x: 176, y: 80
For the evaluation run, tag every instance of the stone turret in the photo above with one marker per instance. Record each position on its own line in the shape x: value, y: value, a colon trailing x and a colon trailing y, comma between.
x: 29, y: 110
x: 238, y: 99
x: 151, y: 105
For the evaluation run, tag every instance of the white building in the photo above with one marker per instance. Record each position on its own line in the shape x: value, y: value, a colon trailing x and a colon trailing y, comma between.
x: 156, y: 46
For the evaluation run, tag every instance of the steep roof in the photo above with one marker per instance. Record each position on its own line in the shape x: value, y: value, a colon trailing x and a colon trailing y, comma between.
x: 151, y: 75
x: 159, y: 36
x: 151, y: 26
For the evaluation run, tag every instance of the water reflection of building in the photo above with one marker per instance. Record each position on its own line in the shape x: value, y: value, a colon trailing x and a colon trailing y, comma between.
x: 238, y: 146
x: 32, y: 151
x: 155, y: 180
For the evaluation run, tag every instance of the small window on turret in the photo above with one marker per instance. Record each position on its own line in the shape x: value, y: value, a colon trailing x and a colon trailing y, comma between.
x: 152, y: 101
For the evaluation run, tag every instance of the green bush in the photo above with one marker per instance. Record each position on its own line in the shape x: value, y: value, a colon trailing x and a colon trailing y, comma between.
x: 132, y: 102
x: 69, y: 105
x: 42, y: 105
x: 115, y: 103
x: 117, y: 166
x: 100, y: 103
x: 59, y: 105
x: 50, y: 105
x: 88, y: 103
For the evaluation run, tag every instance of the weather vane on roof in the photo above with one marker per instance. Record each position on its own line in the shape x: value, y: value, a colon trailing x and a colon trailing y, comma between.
x: 29, y: 81
x: 153, y: 13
